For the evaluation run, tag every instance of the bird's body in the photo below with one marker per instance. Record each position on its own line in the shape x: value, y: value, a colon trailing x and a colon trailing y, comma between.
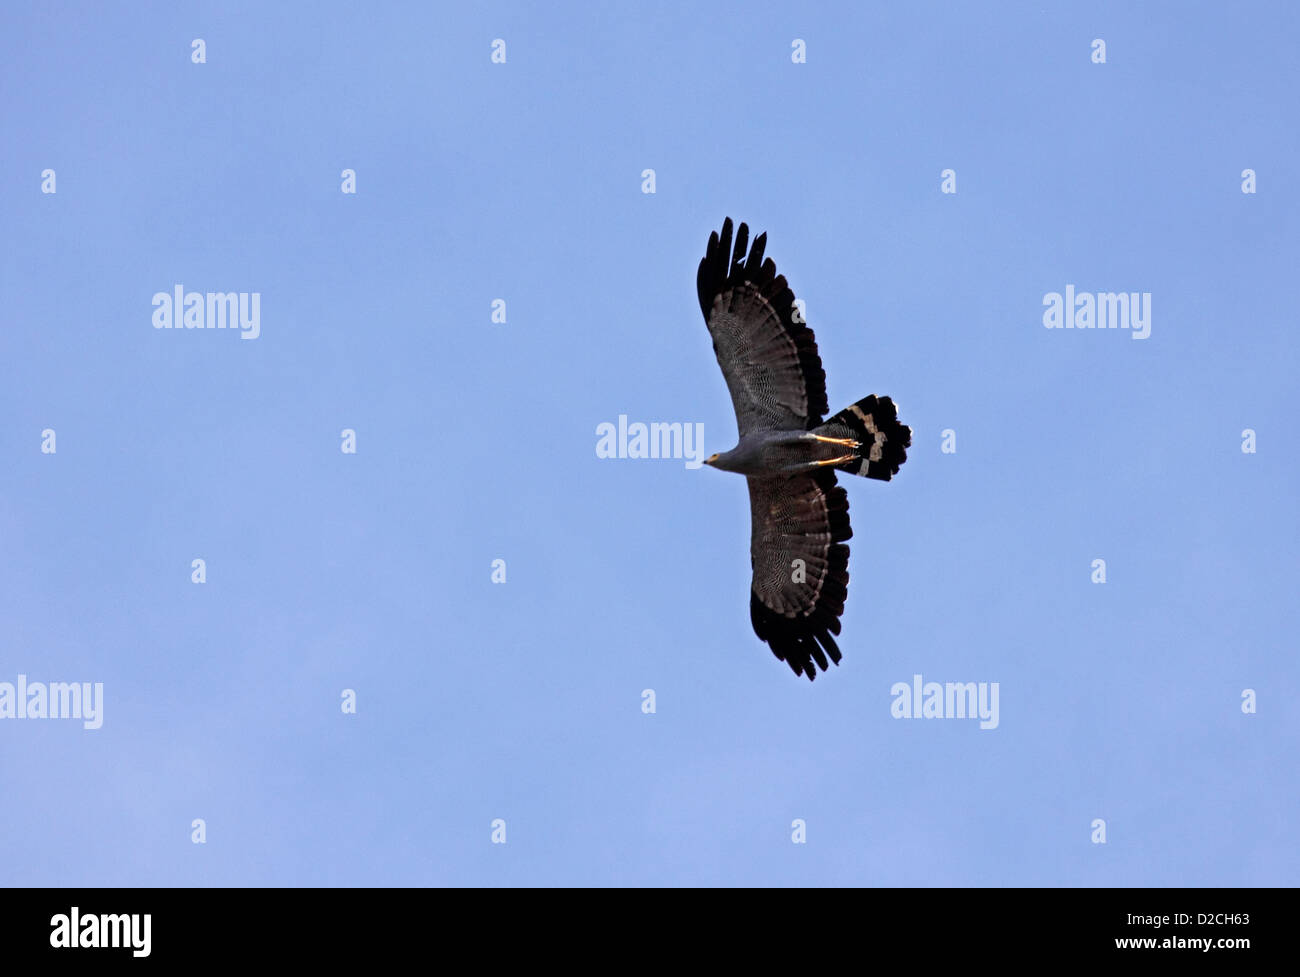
x: 777, y: 454
x: 789, y: 456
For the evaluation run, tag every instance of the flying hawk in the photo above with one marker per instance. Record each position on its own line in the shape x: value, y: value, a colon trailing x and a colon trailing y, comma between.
x: 788, y: 455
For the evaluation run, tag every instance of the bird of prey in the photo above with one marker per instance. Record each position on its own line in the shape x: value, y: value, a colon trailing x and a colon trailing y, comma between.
x: 788, y: 454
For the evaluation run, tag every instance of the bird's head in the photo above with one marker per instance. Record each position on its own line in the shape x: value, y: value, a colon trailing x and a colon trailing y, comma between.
x: 711, y: 459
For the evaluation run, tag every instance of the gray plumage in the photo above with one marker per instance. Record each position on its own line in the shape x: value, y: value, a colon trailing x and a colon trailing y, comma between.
x: 799, y: 515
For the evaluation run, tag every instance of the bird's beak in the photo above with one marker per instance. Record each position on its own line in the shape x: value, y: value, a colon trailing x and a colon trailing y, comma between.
x: 711, y: 459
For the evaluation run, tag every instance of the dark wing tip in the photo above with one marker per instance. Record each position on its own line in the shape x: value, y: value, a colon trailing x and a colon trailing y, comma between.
x: 804, y: 642
x: 726, y: 266
x: 742, y: 241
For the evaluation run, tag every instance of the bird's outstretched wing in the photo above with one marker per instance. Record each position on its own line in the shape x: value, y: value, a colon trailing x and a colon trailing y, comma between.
x: 801, y: 567
x: 768, y: 357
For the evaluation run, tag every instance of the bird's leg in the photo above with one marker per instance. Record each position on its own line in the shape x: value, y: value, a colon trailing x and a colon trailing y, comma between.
x: 846, y: 442
x: 842, y: 460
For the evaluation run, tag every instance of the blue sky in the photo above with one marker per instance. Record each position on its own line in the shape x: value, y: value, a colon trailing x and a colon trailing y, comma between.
x: 476, y: 441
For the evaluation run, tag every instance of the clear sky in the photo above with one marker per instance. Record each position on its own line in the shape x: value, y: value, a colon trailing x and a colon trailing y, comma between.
x: 475, y: 441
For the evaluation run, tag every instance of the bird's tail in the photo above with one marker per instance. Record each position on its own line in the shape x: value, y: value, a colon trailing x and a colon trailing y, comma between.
x: 873, y: 422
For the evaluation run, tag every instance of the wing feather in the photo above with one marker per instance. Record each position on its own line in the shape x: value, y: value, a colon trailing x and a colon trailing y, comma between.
x: 768, y: 358
x: 800, y: 525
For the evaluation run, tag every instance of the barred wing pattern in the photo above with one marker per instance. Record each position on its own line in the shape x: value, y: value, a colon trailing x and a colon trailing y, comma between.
x: 801, y: 567
x: 768, y: 359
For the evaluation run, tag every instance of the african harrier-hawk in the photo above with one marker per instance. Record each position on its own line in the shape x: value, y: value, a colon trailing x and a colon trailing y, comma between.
x: 788, y: 455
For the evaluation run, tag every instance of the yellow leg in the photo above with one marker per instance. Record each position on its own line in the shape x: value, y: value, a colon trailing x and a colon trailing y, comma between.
x: 846, y: 442
x: 842, y: 460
